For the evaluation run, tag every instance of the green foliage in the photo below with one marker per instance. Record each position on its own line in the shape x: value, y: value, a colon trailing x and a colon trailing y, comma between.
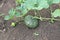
x: 56, y: 1
x: 23, y: 10
x: 17, y: 14
x: 27, y: 5
x: 56, y: 13
x: 38, y: 4
x: 12, y: 12
x: 49, y: 2
x: 19, y: 1
x: 35, y: 4
x: 53, y: 1
x: 7, y: 17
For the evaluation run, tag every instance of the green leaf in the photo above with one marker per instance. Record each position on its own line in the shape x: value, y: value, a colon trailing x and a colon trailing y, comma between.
x: 23, y: 9
x: 56, y: 13
x: 30, y: 4
x: 50, y: 2
x: 12, y: 12
x: 7, y: 17
x: 19, y: 1
x: 17, y: 14
x: 42, y: 4
x: 36, y: 4
x: 53, y: 1
x: 56, y: 1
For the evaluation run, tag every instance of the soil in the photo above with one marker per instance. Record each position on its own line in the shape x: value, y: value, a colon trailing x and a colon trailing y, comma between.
x: 46, y: 30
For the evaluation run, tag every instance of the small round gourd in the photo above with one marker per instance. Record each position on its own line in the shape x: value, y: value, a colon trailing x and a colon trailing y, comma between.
x: 31, y: 22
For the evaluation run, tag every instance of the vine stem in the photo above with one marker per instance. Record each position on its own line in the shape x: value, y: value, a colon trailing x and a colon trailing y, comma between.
x: 42, y: 18
x: 46, y: 18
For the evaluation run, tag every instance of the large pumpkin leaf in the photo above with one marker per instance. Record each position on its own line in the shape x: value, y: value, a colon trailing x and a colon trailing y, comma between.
x: 50, y: 2
x: 33, y: 4
x: 36, y: 4
x: 42, y: 4
x: 30, y: 3
x: 56, y: 13
x: 56, y: 1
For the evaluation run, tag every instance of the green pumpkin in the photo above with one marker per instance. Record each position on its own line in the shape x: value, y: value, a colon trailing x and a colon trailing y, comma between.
x: 31, y: 22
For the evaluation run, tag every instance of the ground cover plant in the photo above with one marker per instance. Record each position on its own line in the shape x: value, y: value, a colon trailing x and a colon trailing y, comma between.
x: 24, y: 6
